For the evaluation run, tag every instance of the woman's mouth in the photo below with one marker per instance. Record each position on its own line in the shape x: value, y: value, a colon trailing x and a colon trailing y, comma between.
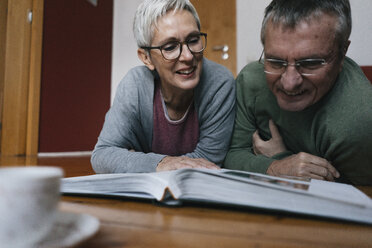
x: 186, y: 72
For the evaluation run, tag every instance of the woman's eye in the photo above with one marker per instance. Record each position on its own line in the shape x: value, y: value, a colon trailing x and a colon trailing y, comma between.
x: 193, y: 40
x: 170, y: 47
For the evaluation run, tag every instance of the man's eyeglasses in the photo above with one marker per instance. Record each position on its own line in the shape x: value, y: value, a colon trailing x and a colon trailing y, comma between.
x: 172, y: 50
x: 306, y: 67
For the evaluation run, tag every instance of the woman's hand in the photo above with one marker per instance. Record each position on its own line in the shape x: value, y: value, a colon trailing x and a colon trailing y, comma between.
x: 174, y: 163
x: 271, y: 147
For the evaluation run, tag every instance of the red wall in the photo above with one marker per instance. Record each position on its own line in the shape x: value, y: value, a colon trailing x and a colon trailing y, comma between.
x: 76, y: 74
x: 368, y: 71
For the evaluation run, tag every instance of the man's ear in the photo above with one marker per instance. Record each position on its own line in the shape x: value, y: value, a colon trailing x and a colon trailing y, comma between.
x: 345, y: 48
x: 145, y: 57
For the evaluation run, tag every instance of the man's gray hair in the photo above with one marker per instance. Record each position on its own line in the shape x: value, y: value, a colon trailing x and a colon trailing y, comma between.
x: 291, y: 12
x: 148, y: 13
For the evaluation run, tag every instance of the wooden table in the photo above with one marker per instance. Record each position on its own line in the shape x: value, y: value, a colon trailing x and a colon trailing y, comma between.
x: 128, y: 223
x: 140, y: 224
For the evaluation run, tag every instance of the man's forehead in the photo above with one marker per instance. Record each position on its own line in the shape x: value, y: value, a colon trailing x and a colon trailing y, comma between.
x: 315, y: 28
x: 316, y: 19
x: 304, y: 41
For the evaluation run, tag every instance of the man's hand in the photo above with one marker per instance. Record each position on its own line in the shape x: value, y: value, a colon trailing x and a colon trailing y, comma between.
x: 304, y: 165
x: 271, y: 147
x: 174, y: 163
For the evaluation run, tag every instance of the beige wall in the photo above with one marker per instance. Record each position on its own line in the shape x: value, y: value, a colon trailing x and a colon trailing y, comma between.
x: 124, y: 48
x: 249, y: 17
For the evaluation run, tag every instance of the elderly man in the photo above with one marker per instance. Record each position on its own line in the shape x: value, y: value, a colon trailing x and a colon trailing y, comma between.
x: 304, y: 109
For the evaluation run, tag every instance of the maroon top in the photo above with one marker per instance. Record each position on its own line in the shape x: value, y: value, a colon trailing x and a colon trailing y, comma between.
x: 173, y: 138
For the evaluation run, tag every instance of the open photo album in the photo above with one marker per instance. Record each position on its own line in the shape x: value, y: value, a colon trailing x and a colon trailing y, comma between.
x: 230, y: 188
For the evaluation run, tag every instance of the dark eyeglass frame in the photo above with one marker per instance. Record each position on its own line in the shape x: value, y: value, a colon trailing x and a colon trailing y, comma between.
x: 298, y: 64
x: 181, y: 43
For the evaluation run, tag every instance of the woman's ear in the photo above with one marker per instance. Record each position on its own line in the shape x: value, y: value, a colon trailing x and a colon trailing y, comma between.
x: 145, y: 57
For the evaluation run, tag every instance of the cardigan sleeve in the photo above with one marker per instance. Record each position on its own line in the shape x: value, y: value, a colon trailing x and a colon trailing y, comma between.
x: 215, y: 103
x: 124, y: 129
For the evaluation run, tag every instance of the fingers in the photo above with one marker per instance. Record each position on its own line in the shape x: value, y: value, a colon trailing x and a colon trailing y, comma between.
x: 198, y: 163
x: 271, y: 147
x: 174, y: 163
x: 256, y: 139
x: 324, y: 173
x: 304, y: 165
x: 274, y: 130
x: 333, y: 170
x: 321, y: 173
x: 207, y: 164
x: 323, y: 167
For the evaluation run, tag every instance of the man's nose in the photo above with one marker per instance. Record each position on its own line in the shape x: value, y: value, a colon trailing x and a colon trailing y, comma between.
x: 291, y: 79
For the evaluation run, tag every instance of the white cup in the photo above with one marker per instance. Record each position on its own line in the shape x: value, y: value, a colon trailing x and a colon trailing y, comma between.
x: 28, y: 203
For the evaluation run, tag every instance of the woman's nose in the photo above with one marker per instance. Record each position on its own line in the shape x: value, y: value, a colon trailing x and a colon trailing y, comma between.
x: 186, y: 54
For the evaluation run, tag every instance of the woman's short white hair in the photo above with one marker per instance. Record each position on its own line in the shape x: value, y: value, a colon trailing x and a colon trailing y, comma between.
x: 148, y: 13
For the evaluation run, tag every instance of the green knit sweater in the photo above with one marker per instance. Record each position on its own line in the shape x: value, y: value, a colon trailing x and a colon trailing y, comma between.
x: 337, y: 128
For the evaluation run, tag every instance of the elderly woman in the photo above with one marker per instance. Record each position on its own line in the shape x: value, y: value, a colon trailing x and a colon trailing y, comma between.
x: 176, y: 111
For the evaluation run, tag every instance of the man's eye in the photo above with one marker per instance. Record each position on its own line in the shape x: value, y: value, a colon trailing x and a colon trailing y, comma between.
x: 276, y: 64
x: 311, y: 63
x: 170, y: 47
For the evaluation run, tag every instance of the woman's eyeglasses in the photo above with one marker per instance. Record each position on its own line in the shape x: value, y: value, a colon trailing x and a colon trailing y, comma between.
x: 172, y: 50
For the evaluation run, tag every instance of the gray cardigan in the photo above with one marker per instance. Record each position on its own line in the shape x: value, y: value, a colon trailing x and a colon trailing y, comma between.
x: 129, y: 122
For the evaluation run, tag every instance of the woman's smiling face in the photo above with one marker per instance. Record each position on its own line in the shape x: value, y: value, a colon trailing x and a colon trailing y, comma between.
x: 184, y: 73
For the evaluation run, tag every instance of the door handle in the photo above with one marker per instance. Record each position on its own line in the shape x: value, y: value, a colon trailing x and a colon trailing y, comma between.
x: 224, y: 49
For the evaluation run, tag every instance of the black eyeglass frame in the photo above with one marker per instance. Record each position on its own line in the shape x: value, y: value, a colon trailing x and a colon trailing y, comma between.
x: 181, y: 47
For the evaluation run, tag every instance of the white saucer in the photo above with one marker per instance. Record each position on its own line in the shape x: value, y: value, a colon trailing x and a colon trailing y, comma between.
x: 70, y: 229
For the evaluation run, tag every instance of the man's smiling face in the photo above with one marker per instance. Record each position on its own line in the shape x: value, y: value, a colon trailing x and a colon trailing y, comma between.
x: 308, y: 40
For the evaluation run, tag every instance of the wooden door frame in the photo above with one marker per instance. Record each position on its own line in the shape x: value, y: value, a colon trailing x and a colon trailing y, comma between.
x: 209, y: 11
x: 21, y: 65
x: 3, y: 21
